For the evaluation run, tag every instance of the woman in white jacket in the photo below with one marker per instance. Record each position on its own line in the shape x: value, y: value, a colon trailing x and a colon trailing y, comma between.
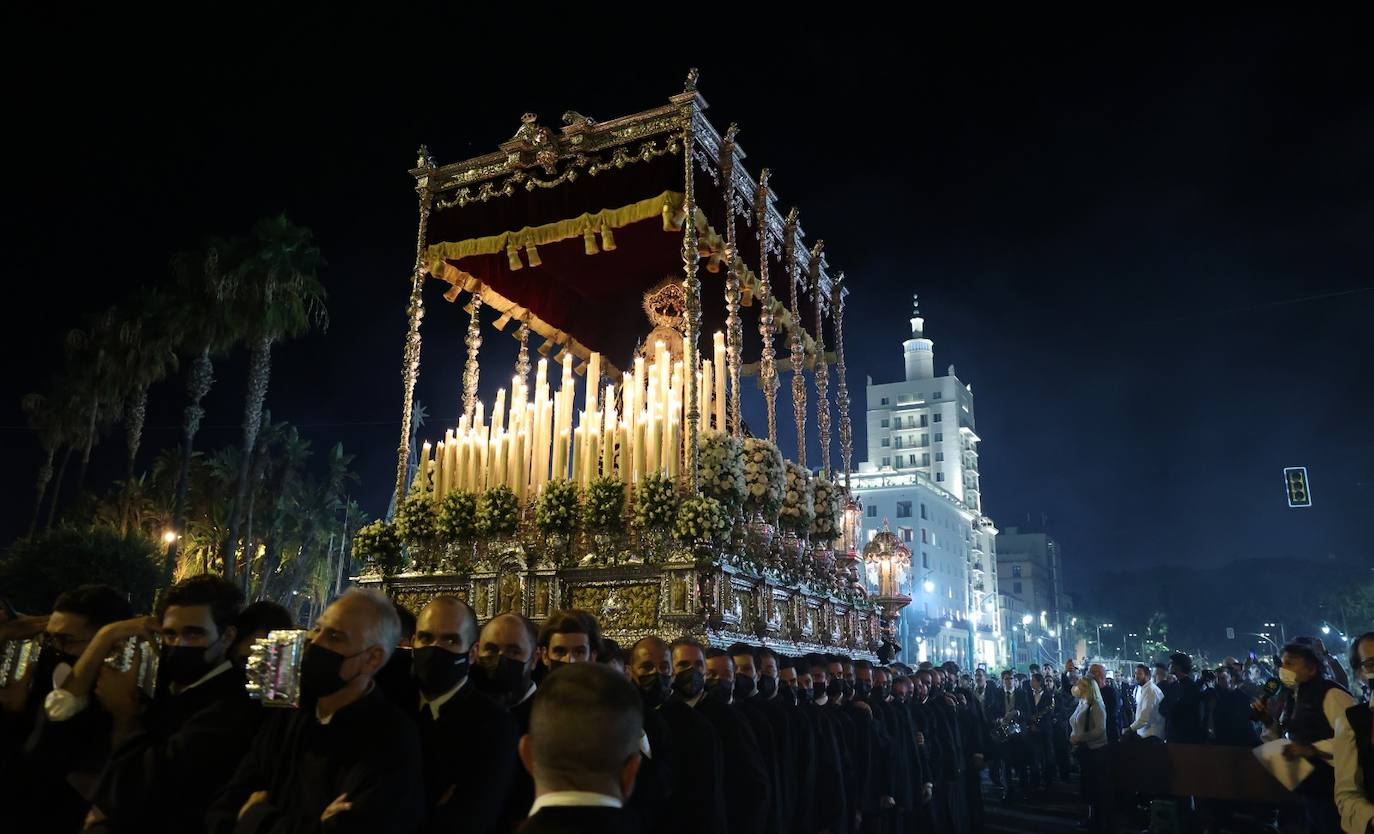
x: 1088, y: 735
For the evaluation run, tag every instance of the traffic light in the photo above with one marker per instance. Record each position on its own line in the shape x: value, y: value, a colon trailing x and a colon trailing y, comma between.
x: 1295, y: 479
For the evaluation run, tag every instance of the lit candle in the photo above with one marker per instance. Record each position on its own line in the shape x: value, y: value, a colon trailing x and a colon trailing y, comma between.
x: 521, y: 473
x: 622, y: 440
x: 498, y: 414
x: 704, y: 389
x: 593, y: 382
x: 560, y: 456
x: 719, y: 378
x: 421, y: 485
x: 439, y: 471
x: 593, y: 440
x: 673, y: 443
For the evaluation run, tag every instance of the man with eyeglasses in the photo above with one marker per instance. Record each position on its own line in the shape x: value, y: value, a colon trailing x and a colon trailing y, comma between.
x: 348, y: 759
x: 50, y: 763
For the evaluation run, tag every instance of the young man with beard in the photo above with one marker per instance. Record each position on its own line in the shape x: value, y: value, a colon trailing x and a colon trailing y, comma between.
x: 175, y: 754
x: 748, y: 793
x: 61, y: 740
x: 348, y: 759
x: 684, y: 744
x: 467, y: 741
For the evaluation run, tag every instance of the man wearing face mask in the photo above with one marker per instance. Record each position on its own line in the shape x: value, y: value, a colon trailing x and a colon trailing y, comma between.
x: 722, y: 676
x: 756, y: 692
x: 583, y: 751
x: 347, y: 759
x: 748, y: 793
x: 686, y: 747
x: 824, y: 806
x: 827, y: 697
x: 796, y: 743
x: 1315, y: 706
x: 467, y: 742
x: 505, y: 665
x: 54, y: 751
x: 189, y: 741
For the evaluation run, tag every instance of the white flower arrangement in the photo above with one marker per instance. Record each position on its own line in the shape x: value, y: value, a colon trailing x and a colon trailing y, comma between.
x: 556, y: 511
x: 827, y: 502
x: 798, y: 506
x: 458, y: 518
x: 763, y: 477
x: 655, y: 500
x: 379, y: 544
x: 604, y: 509
x: 498, y: 512
x: 700, y: 517
x: 417, y: 522
x: 722, y: 469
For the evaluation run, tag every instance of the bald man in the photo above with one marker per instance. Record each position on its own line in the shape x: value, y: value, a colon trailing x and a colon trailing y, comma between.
x: 506, y: 654
x: 468, y: 742
x: 348, y: 757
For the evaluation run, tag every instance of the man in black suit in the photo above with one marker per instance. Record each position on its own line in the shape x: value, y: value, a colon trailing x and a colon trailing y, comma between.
x: 348, y: 758
x: 504, y: 673
x: 745, y: 776
x: 1038, y: 712
x: 583, y: 750
x: 467, y: 741
x: 173, y: 756
x: 1111, y: 701
x: 1228, y: 712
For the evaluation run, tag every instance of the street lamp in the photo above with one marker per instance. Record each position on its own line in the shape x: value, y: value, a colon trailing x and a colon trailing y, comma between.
x: 1027, y: 620
x: 1101, y: 626
x: 1326, y: 630
x: 169, y: 536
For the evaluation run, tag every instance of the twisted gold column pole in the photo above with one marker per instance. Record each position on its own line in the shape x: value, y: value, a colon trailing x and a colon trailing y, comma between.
x: 768, y: 369
x: 841, y: 389
x: 410, y: 363
x: 798, y: 350
x: 822, y: 368
x: 734, y: 329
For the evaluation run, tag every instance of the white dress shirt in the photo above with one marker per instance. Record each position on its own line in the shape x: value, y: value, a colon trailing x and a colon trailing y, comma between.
x: 1148, y: 723
x: 436, y: 704
x: 574, y: 799
x: 1357, y: 808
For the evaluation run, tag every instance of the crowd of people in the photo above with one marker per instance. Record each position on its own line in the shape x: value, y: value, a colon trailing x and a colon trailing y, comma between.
x: 434, y: 722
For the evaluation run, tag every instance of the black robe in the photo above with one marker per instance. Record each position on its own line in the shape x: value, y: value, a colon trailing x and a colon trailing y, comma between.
x: 164, y: 777
x: 696, y: 763
x: 582, y: 820
x: 748, y: 792
x: 471, y: 748
x: 369, y: 750
x: 831, y: 804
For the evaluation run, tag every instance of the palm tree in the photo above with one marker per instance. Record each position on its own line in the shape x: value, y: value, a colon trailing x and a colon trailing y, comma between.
x: 145, y: 355
x: 277, y: 289
x: 52, y: 425
x: 201, y: 327
x: 91, y: 365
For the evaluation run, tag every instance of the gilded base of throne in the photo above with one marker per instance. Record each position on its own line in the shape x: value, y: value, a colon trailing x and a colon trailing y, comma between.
x: 718, y: 604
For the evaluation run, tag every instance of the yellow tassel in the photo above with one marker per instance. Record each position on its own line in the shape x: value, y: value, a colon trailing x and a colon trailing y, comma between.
x: 500, y: 323
x: 546, y: 347
x: 607, y: 239
x: 589, y: 241
x: 667, y: 217
x: 746, y: 296
x: 513, y: 256
x: 532, y: 255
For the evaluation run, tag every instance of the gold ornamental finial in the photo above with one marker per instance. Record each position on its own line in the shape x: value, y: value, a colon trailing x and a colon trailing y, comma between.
x: 691, y: 85
x: 730, y: 133
x: 764, y: 176
x: 424, y: 159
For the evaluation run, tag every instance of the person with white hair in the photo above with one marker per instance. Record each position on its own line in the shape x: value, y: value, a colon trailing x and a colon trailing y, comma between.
x: 348, y: 755
x: 1088, y: 735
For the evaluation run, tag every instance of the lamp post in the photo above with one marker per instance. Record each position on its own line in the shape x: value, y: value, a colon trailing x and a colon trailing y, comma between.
x: 1283, y: 632
x: 1101, y: 626
x: 1265, y: 636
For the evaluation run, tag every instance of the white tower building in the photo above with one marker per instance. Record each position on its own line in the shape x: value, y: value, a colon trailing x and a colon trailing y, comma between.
x: 921, y: 476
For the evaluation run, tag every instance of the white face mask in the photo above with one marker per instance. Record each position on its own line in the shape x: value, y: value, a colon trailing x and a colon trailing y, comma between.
x: 1288, y: 676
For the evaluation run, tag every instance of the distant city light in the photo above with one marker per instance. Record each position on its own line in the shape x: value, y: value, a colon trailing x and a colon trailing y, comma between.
x: 929, y: 586
x: 1026, y: 620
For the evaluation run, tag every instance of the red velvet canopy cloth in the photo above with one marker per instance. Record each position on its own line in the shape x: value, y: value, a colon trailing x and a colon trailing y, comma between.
x: 592, y: 302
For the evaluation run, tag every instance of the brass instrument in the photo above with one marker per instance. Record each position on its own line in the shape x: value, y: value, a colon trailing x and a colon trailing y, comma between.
x: 16, y: 656
x: 1005, y: 729
x: 274, y: 668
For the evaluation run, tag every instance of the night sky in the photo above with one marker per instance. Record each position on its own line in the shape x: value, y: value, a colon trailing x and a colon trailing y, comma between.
x: 1150, y: 250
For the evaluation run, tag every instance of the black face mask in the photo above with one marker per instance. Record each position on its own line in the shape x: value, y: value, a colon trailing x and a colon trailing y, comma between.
x: 818, y: 690
x: 880, y: 692
x: 862, y: 688
x: 767, y: 686
x: 718, y: 691
x: 437, y: 670
x: 744, y: 687
x: 655, y: 688
x: 183, y: 665
x: 499, y: 677
x: 846, y: 689
x: 688, y: 684
x: 320, y: 672
x: 834, y: 690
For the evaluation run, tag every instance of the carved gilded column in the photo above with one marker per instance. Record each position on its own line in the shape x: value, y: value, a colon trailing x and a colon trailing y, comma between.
x: 768, y: 369
x: 691, y: 283
x: 734, y: 330
x: 474, y: 344
x: 798, y: 349
x: 822, y: 369
x: 522, y: 357
x: 841, y: 389
x: 410, y: 365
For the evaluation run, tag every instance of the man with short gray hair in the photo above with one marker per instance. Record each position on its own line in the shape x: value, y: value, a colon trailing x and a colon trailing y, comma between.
x: 347, y: 752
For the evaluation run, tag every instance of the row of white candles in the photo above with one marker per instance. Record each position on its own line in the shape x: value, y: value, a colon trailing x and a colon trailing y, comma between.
x: 537, y: 442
